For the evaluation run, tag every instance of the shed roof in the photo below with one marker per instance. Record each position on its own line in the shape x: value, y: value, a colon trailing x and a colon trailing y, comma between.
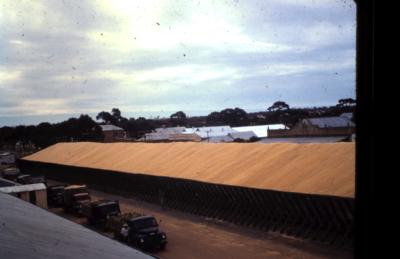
x: 245, y: 135
x: 170, y: 130
x: 330, y: 122
x: 304, y: 140
x: 261, y: 131
x: 219, y: 139
x: 184, y: 137
x: 23, y: 188
x: 110, y: 127
x: 28, y: 231
x: 306, y: 168
x: 155, y: 136
x: 348, y: 115
x: 214, y: 131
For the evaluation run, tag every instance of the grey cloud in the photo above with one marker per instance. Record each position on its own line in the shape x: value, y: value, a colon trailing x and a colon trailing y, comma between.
x: 65, y: 52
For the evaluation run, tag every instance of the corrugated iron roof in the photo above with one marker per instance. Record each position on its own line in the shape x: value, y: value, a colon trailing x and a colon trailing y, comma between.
x: 170, y: 130
x: 154, y: 136
x: 261, y: 131
x: 28, y: 231
x: 184, y: 137
x: 348, y: 115
x: 245, y: 135
x: 23, y: 188
x: 206, y: 132
x: 301, y: 140
x: 219, y: 139
x: 330, y: 122
x: 110, y: 128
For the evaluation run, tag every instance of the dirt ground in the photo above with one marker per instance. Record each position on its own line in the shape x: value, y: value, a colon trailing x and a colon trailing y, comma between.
x: 192, y: 237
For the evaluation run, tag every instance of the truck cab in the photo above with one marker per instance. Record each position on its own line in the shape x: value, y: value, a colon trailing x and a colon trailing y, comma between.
x: 55, y: 195
x: 74, y: 198
x: 145, y: 234
x: 98, y: 212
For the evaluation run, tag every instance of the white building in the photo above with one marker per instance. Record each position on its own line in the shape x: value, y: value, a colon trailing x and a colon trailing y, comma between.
x: 261, y: 131
x: 215, y: 133
x: 208, y: 132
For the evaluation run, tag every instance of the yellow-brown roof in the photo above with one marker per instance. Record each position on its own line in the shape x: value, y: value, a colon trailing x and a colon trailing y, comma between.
x: 327, y: 169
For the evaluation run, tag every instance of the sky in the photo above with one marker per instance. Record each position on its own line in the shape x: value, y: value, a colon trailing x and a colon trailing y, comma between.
x: 63, y: 58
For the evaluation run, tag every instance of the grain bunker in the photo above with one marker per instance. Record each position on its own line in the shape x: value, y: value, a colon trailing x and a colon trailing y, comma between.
x: 303, y: 190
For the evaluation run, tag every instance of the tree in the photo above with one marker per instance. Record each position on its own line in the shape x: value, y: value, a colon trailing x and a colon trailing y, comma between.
x: 106, y: 117
x: 116, y: 113
x: 213, y: 119
x: 347, y: 102
x: 114, y: 118
x: 279, y: 106
x: 178, y: 118
x: 234, y: 117
x: 281, y: 112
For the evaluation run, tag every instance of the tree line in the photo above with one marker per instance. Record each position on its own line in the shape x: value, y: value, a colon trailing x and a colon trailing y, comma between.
x: 85, y: 128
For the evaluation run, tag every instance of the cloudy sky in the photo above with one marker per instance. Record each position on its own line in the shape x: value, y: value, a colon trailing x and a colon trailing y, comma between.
x: 61, y: 58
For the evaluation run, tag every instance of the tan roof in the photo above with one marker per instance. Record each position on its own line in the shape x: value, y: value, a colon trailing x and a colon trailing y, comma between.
x: 306, y: 168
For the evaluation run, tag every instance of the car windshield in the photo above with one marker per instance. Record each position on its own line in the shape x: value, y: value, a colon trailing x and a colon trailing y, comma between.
x: 144, y: 223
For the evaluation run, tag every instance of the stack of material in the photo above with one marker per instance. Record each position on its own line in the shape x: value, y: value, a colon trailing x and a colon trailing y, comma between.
x: 327, y: 169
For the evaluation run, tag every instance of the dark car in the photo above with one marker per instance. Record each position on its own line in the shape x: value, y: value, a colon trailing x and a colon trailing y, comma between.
x: 145, y: 234
x: 98, y: 212
x: 55, y: 195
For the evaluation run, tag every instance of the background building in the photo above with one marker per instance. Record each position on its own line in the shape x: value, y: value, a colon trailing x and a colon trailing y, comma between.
x: 112, y: 133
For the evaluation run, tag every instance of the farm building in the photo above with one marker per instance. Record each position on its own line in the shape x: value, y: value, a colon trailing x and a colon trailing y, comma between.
x: 214, y: 134
x: 209, y: 132
x: 306, y: 168
x: 261, y: 131
x: 169, y: 134
x: 112, y: 133
x: 348, y: 115
x: 306, y: 190
x: 304, y: 140
x: 243, y: 135
x: 317, y: 127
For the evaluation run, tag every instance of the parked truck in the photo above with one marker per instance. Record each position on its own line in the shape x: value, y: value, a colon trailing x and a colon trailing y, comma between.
x: 74, y: 198
x: 143, y: 231
x: 55, y: 195
x: 98, y: 212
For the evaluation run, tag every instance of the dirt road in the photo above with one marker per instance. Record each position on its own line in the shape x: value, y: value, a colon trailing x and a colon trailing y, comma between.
x: 194, y: 237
